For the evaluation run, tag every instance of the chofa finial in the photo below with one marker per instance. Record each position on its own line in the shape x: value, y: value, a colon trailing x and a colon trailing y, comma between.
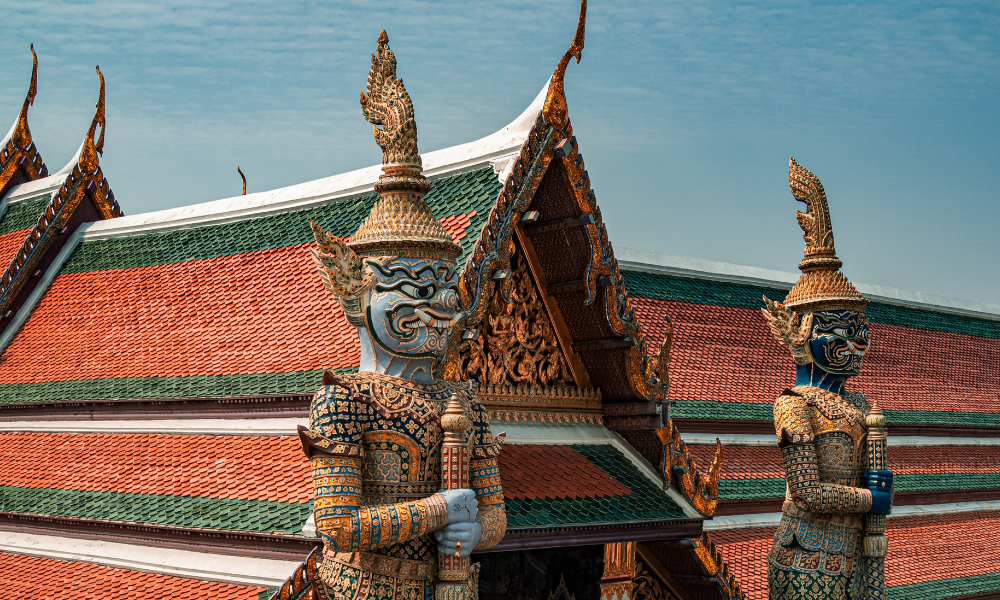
x: 93, y: 145
x: 244, y: 178
x: 555, y: 110
x: 22, y: 136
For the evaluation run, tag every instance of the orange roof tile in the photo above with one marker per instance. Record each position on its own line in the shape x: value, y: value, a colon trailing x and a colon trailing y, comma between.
x: 32, y: 577
x: 236, y: 467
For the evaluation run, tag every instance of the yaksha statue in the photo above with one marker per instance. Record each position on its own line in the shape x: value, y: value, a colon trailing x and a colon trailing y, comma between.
x: 375, y: 438
x: 827, y: 545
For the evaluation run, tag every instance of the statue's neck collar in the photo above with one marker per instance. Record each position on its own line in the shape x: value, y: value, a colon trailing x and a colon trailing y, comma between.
x: 812, y: 375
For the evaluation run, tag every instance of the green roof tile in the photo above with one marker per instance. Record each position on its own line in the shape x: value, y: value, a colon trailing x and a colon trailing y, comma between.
x: 749, y: 411
x: 647, y: 502
x: 259, y: 516
x: 660, y: 286
x: 24, y: 214
x: 475, y: 190
x: 947, y: 588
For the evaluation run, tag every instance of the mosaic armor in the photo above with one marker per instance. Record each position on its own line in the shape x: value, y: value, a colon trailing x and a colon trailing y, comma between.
x: 817, y: 547
x: 830, y: 543
x: 375, y: 445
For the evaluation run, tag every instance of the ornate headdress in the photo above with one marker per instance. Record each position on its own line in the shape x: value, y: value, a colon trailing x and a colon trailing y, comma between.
x: 400, y: 223
x: 821, y: 286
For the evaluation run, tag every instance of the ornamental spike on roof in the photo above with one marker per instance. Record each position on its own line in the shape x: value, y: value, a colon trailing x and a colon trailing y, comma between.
x: 19, y: 159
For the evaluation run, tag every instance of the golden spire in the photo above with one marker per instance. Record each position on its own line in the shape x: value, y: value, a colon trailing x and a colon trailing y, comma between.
x: 22, y: 136
x: 92, y: 146
x: 821, y: 285
x: 555, y: 101
x: 400, y: 223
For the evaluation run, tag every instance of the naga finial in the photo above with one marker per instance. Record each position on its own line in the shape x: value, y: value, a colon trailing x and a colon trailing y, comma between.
x: 22, y: 136
x: 555, y: 110
x: 92, y: 145
x: 388, y: 107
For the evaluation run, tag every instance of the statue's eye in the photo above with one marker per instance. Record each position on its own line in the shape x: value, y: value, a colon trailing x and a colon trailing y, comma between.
x: 414, y: 291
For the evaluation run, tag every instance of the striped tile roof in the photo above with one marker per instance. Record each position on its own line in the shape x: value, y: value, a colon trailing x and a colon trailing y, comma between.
x: 262, y: 484
x: 16, y: 223
x: 32, y: 577
x: 237, y: 483
x: 924, y: 366
x: 548, y: 485
x: 228, y: 309
x: 930, y: 557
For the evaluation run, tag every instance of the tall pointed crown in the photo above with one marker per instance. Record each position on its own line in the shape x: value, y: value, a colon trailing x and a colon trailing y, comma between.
x: 400, y: 223
x: 821, y: 286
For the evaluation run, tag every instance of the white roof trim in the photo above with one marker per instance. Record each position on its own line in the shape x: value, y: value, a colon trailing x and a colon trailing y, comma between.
x: 738, y: 439
x: 898, y: 512
x: 238, y: 570
x: 344, y: 186
x: 274, y: 426
x: 656, y: 262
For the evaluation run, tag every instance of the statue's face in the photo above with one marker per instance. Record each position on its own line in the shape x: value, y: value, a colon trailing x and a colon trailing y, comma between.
x: 839, y: 341
x: 411, y: 306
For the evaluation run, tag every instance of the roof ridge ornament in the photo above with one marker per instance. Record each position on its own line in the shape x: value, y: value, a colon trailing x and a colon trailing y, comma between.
x: 244, y: 178
x: 22, y: 135
x: 92, y: 147
x: 555, y: 111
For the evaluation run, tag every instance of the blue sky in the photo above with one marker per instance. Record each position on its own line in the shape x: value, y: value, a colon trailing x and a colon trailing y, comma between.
x: 686, y: 112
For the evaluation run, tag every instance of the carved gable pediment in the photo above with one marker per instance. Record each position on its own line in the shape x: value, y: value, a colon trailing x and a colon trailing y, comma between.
x: 517, y: 359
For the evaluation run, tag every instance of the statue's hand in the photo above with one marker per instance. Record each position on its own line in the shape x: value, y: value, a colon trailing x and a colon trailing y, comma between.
x: 462, y: 505
x: 466, y: 533
x: 879, y: 483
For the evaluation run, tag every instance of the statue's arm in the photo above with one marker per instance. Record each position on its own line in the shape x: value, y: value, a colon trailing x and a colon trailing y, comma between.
x: 798, y: 453
x: 485, y: 481
x: 333, y: 444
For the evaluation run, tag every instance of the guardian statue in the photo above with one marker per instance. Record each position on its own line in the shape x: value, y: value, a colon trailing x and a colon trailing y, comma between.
x: 823, y: 548
x: 375, y: 438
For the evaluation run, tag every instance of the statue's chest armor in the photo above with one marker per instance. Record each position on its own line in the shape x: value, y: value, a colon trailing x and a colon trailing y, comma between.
x: 840, y: 434
x: 402, y: 445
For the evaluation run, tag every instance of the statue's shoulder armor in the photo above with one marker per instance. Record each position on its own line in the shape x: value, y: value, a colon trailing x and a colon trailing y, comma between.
x: 339, y: 413
x: 791, y: 418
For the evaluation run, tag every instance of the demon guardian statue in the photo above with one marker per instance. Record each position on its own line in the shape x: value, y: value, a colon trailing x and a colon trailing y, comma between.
x: 823, y: 549
x: 375, y: 438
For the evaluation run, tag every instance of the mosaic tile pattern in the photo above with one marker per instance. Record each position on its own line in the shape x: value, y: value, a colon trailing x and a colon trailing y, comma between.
x: 930, y: 557
x: 726, y: 355
x: 646, y: 502
x: 31, y: 577
x: 755, y: 472
x: 233, y: 309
